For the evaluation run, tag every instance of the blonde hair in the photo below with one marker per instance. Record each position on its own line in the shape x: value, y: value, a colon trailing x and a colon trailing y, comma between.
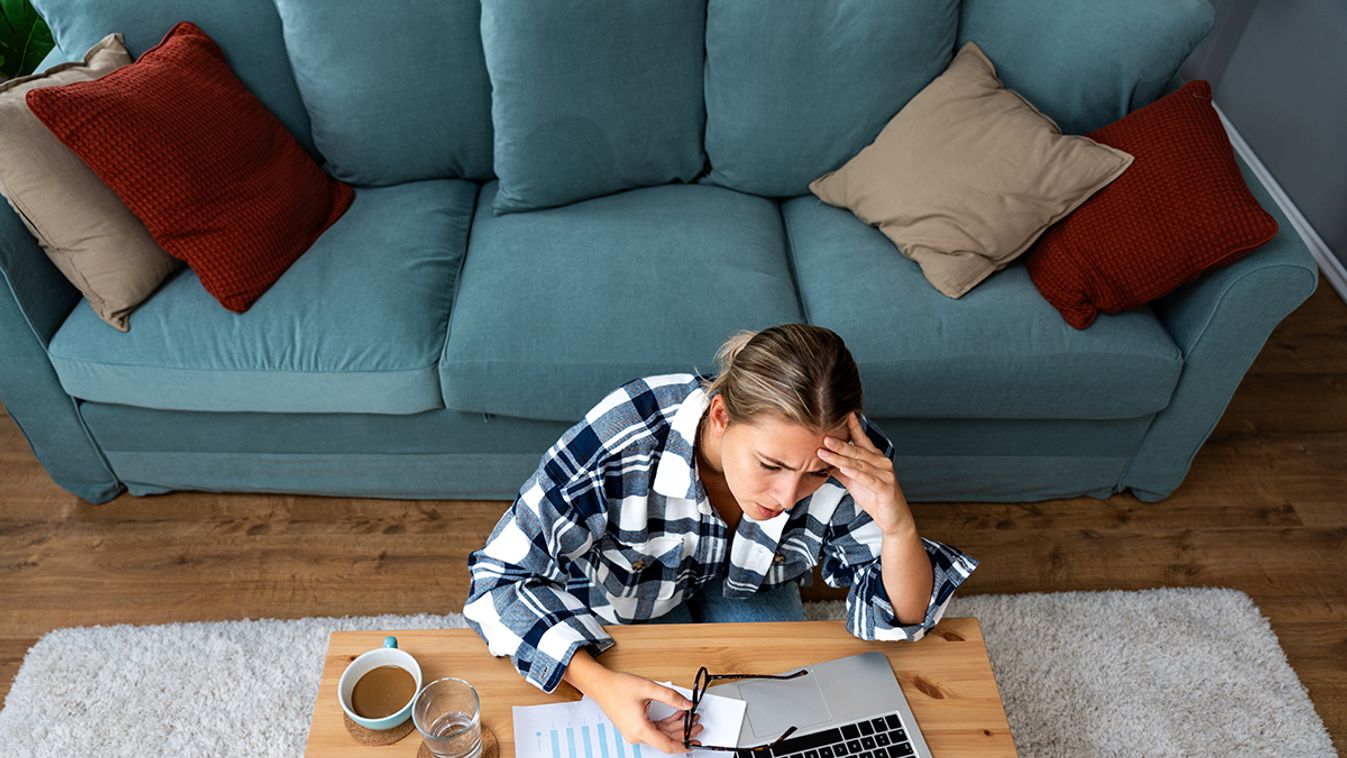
x: 800, y: 373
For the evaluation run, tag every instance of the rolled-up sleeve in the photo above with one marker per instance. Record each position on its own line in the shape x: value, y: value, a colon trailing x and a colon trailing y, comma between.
x: 518, y: 601
x: 851, y: 552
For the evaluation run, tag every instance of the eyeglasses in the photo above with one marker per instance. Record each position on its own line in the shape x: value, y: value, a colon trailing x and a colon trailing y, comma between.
x: 699, y: 685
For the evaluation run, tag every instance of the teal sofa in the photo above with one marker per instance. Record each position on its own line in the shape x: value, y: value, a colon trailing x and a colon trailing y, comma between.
x: 427, y: 347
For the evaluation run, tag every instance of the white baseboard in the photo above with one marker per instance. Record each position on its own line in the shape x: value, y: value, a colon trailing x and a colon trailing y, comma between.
x: 1332, y: 268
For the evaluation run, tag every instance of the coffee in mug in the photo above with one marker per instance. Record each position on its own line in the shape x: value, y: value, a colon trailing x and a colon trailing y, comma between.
x: 382, y: 691
x: 377, y: 688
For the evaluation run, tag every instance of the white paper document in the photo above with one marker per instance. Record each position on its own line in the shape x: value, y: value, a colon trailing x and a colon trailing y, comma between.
x: 580, y: 729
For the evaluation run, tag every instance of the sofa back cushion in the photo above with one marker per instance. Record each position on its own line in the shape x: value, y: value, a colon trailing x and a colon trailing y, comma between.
x: 397, y: 90
x: 249, y: 32
x: 1086, y: 63
x: 795, y: 89
x: 593, y: 97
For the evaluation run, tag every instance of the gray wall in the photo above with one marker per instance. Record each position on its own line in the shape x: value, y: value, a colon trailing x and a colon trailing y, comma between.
x: 1279, y: 72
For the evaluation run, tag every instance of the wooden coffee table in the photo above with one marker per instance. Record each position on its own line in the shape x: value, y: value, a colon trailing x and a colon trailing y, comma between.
x: 946, y: 676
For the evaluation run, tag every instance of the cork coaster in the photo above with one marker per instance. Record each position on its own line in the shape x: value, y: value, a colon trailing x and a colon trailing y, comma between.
x: 490, y: 747
x: 376, y: 737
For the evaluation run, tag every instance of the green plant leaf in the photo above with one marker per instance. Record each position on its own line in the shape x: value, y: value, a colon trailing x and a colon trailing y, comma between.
x: 39, y: 44
x: 25, y: 39
x: 19, y: 14
x: 42, y: 34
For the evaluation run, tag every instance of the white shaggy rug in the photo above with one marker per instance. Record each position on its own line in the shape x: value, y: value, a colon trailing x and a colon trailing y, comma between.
x: 1174, y: 672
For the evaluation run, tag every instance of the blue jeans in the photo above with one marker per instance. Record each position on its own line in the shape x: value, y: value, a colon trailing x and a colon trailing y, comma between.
x: 710, y: 606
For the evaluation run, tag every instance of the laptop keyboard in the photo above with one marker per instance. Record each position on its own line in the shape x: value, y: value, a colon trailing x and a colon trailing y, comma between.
x: 879, y: 737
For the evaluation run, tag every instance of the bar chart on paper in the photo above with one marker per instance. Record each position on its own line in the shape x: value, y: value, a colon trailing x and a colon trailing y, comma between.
x: 602, y: 742
x: 579, y: 729
x: 571, y: 730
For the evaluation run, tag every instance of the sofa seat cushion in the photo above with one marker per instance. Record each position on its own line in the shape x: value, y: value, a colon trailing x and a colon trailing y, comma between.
x: 1001, y: 351
x: 557, y: 307
x: 356, y: 325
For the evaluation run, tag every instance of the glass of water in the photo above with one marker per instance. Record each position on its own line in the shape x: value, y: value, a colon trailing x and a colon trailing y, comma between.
x: 448, y: 715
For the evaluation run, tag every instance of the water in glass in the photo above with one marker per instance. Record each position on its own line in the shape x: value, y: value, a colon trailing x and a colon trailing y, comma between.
x: 454, y: 735
x: 448, y: 716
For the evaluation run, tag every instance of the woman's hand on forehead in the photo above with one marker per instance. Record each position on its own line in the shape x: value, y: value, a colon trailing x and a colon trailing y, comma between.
x: 868, y: 476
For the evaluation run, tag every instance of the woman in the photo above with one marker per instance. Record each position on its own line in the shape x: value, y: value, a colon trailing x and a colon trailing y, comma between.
x: 680, y: 498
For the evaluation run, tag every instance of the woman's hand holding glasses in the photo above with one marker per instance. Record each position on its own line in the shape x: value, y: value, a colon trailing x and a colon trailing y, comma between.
x: 625, y: 698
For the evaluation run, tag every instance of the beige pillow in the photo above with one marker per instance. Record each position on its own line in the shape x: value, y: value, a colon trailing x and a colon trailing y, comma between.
x: 85, y: 229
x: 968, y: 175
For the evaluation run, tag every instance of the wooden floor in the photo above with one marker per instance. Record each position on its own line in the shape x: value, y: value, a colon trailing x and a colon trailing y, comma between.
x: 1264, y: 510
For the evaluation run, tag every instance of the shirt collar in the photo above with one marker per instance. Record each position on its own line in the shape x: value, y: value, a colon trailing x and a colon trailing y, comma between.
x: 676, y: 471
x: 755, y: 542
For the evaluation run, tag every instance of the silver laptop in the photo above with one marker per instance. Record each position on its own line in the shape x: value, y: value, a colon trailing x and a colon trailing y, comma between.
x: 843, y: 708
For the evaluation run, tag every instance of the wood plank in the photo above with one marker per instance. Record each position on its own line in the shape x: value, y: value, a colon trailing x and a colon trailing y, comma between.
x: 1320, y: 646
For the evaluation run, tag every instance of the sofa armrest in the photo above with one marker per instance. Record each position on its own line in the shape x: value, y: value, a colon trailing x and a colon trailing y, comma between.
x: 41, y: 293
x: 1220, y: 322
x: 34, y: 300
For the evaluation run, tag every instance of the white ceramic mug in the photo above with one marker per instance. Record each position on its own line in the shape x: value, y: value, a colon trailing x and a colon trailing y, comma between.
x: 388, y: 655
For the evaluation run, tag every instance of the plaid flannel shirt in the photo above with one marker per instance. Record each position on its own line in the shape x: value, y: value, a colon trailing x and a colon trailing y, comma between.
x: 615, y: 527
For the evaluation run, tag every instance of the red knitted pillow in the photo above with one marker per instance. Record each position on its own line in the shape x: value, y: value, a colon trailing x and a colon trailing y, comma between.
x: 213, y: 175
x: 1181, y: 210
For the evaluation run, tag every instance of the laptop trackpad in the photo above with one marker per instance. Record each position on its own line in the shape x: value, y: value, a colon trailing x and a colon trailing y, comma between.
x: 775, y: 706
